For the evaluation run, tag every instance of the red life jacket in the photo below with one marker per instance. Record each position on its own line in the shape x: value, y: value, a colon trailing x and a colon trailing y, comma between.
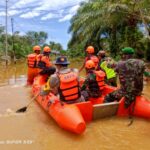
x: 69, y: 86
x: 32, y: 60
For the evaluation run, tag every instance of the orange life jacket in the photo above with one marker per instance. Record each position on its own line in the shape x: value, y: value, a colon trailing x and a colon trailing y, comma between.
x: 44, y: 59
x: 32, y: 60
x: 100, y: 76
x: 69, y: 86
x: 39, y: 58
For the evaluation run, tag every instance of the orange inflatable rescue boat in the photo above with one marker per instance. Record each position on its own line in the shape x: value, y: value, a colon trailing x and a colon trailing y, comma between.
x: 73, y: 117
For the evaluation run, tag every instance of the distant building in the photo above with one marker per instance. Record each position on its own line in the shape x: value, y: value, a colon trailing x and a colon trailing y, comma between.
x: 55, y: 52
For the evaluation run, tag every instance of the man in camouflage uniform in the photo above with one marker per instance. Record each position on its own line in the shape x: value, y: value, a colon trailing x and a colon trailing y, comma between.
x: 130, y: 73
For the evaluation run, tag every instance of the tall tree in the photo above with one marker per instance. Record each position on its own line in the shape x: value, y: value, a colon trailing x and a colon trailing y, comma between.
x: 37, y: 38
x: 118, y: 21
x: 55, y: 46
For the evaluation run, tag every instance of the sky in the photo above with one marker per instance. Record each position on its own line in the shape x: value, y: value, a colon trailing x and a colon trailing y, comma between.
x: 51, y: 16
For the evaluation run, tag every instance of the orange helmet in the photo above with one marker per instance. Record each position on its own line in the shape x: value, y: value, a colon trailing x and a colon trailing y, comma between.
x: 90, y: 49
x: 36, y: 48
x: 46, y: 49
x: 89, y: 64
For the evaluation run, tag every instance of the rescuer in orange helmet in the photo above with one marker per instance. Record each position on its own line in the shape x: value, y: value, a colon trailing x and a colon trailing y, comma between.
x: 90, y: 56
x: 94, y: 81
x: 32, y: 64
x: 44, y: 63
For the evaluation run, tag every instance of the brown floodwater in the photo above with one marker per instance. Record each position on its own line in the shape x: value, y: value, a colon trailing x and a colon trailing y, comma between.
x: 36, y: 130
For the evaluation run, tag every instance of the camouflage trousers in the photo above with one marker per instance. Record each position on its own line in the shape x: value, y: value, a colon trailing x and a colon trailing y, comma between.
x: 118, y: 94
x: 87, y: 94
x: 112, y: 81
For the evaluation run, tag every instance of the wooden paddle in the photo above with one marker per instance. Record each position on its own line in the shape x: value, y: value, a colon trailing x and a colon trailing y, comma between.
x: 23, y: 109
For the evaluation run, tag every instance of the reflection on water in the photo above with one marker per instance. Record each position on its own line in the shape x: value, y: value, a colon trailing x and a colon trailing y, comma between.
x: 13, y: 74
x: 9, y: 113
x: 20, y: 80
x: 42, y: 133
x: 16, y: 73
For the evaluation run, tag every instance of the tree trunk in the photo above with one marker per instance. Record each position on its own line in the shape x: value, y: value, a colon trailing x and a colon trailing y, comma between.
x: 113, y: 42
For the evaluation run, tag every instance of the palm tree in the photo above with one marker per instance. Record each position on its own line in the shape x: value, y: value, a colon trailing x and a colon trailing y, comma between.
x: 115, y: 20
x: 37, y: 37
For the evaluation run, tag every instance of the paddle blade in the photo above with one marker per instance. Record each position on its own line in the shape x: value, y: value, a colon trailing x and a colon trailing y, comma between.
x: 21, y: 110
x: 130, y: 123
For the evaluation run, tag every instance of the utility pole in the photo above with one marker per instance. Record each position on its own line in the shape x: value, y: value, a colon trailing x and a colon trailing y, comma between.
x: 6, y: 41
x: 12, y: 27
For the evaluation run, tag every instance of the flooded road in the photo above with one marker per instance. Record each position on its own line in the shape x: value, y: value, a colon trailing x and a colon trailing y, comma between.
x: 36, y: 130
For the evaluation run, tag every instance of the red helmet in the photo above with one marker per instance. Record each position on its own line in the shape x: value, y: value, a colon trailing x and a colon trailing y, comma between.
x: 46, y: 49
x: 90, y: 49
x: 89, y: 64
x: 36, y: 48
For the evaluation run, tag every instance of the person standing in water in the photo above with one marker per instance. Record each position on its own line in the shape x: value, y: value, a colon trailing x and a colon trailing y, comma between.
x: 90, y: 56
x: 32, y: 60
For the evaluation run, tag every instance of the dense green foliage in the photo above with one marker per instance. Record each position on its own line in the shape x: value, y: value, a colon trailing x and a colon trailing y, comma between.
x: 21, y: 45
x: 104, y: 24
x: 111, y: 25
x: 55, y: 46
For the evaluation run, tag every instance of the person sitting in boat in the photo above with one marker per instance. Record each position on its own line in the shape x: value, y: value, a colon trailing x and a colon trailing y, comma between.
x: 64, y: 83
x: 130, y: 71
x: 32, y: 64
x: 90, y: 56
x: 44, y: 64
x: 94, y: 82
x: 105, y: 65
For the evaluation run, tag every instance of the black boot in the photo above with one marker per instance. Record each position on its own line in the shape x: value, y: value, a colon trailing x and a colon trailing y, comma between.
x: 108, y: 98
